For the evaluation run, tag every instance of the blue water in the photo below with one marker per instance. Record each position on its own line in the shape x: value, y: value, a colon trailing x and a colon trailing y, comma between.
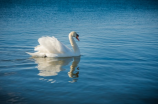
x: 118, y: 43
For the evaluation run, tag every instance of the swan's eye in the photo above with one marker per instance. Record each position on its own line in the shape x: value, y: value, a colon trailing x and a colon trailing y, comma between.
x: 77, y: 35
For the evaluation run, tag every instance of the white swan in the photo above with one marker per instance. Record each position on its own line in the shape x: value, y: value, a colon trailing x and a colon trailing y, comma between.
x: 51, y: 47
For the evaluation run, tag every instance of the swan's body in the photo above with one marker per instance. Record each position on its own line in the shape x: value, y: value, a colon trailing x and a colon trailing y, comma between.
x: 51, y: 47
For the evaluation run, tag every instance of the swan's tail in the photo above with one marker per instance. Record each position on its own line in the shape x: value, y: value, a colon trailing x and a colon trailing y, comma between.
x: 36, y: 54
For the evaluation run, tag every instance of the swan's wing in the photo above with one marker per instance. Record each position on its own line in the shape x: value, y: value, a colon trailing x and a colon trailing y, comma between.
x: 52, y: 45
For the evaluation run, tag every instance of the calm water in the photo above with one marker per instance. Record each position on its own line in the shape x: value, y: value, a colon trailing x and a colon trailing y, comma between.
x: 118, y: 43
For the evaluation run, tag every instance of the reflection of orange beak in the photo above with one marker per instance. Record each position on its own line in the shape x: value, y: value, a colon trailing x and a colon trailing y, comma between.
x: 77, y: 38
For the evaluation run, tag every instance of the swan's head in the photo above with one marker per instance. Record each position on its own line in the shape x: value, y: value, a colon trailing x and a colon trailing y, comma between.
x: 74, y: 34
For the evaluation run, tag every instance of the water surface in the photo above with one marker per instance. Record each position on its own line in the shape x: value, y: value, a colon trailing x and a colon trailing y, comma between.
x: 118, y: 43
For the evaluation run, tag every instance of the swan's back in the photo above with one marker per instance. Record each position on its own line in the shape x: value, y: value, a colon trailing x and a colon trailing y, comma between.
x: 50, y: 46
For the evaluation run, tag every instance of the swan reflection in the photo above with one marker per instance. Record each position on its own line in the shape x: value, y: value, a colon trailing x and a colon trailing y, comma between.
x: 52, y: 66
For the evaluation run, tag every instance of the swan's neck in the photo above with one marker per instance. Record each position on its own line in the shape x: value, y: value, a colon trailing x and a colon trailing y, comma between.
x: 74, y: 45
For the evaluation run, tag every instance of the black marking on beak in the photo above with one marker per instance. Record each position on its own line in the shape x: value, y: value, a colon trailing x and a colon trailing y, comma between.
x: 77, y: 37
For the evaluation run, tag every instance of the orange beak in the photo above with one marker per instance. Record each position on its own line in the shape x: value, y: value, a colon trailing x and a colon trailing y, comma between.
x: 77, y: 37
